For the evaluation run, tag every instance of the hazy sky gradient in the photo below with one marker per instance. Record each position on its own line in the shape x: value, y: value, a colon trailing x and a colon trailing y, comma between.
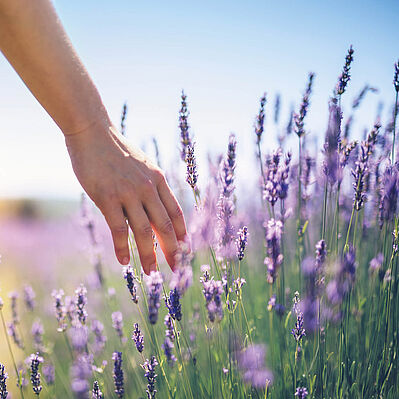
x: 225, y: 54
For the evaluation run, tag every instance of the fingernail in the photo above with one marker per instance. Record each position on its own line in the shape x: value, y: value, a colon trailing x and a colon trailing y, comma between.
x: 125, y: 261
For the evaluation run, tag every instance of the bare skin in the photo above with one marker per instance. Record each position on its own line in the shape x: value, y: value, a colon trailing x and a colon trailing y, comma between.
x: 119, y: 178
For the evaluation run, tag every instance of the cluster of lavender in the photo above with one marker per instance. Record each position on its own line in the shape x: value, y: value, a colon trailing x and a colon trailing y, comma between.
x: 34, y: 373
x: 130, y: 279
x: 154, y: 285
x: 276, y: 177
x: 345, y: 75
x: 241, y: 242
x: 274, y: 258
x: 213, y: 291
x: 168, y: 344
x: 118, y: 374
x: 138, y: 338
x: 3, y: 385
x: 184, y: 127
x: 260, y: 120
x: 298, y: 331
x: 299, y: 119
x: 192, y: 174
x: 149, y: 368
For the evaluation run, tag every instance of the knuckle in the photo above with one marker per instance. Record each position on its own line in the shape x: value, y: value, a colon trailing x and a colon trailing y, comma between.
x: 145, y: 230
x: 177, y: 213
x: 120, y: 229
x: 166, y: 226
x: 159, y: 176
x: 147, y: 188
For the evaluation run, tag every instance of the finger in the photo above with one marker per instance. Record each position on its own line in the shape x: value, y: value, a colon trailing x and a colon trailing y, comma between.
x: 142, y: 230
x: 173, y: 209
x: 119, y: 230
x: 163, y: 227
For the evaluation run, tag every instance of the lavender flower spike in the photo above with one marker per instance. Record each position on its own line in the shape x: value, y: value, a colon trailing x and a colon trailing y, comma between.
x: 192, y: 174
x: 260, y: 120
x: 97, y: 394
x: 241, y: 242
x: 48, y: 373
x: 299, y: 119
x: 173, y: 304
x: 3, y: 385
x: 396, y: 77
x: 34, y: 373
x: 184, y: 127
x: 274, y: 258
x: 29, y: 297
x: 154, y: 285
x: 149, y: 368
x: 167, y: 347
x: 129, y: 277
x: 301, y: 392
x: 345, y: 75
x: 138, y: 338
x: 81, y: 301
x: 117, y: 323
x: 118, y: 374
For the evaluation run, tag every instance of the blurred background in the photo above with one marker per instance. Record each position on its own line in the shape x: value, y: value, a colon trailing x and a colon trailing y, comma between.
x: 224, y: 54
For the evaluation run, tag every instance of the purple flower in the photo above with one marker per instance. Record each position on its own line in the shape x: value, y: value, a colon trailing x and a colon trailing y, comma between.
x: 149, y: 368
x: 170, y: 332
x: 345, y: 75
x: 167, y: 347
x: 274, y: 258
x: 154, y: 285
x: 99, y: 338
x: 29, y: 297
x: 81, y: 301
x: 173, y: 304
x: 14, y: 311
x: 396, y: 77
x: 260, y: 119
x: 123, y: 126
x: 192, y: 174
x: 332, y: 143
x: 97, y: 394
x: 118, y: 374
x: 389, y: 195
x: 3, y: 385
x: 298, y: 331
x: 12, y: 332
x: 362, y: 164
x: 34, y: 373
x: 79, y: 336
x: 213, y: 291
x: 81, y: 372
x: 376, y: 263
x: 241, y: 242
x: 344, y: 154
x: 37, y: 334
x: 362, y: 94
x: 117, y: 323
x: 252, y: 367
x: 138, y: 338
x: 301, y: 392
x: 184, y: 127
x: 129, y: 277
x: 48, y: 373
x: 299, y: 119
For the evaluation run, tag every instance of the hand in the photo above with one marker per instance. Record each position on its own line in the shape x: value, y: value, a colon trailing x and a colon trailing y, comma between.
x: 124, y: 183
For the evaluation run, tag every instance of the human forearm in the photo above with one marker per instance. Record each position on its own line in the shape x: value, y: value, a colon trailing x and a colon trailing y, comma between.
x: 35, y: 43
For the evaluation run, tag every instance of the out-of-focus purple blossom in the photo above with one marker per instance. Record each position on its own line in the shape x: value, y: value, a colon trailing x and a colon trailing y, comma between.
x: 184, y: 127
x: 35, y: 360
x: 3, y: 384
x: 154, y: 285
x: 191, y: 174
x: 117, y: 323
x: 81, y: 372
x: 299, y: 119
x: 81, y: 301
x: 260, y: 120
x: 183, y: 274
x: 277, y: 307
x: 362, y: 166
x: 225, y: 203
x: 167, y: 347
x: 274, y: 258
x: 376, y: 263
x: 357, y: 101
x: 79, y: 336
x: 149, y: 369
x: 389, y: 195
x: 340, y: 286
x: 290, y: 123
x: 345, y: 75
x: 12, y: 332
x: 332, y: 143
x: 241, y: 241
x: 128, y: 275
x: 213, y: 291
x: 138, y: 338
x: 276, y: 177
x: 70, y: 309
x: 118, y: 374
x: 29, y: 297
x: 277, y: 104
x: 345, y: 152
x: 396, y: 77
x: 37, y: 332
x: 173, y: 304
x: 301, y: 392
x: 298, y: 331
x: 48, y: 373
x: 251, y: 363
x: 99, y: 338
x: 14, y: 306
x: 169, y: 332
x: 97, y: 394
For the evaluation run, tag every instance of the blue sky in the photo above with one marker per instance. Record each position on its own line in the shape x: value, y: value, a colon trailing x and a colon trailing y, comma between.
x: 225, y: 54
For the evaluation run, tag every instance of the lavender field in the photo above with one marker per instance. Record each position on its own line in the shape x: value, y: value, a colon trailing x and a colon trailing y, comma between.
x: 291, y: 292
